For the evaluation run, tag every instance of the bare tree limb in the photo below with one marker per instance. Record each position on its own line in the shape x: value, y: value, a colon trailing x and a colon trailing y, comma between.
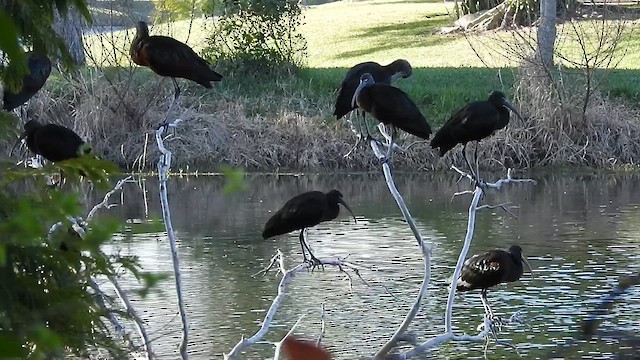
x: 287, y: 276
x: 164, y: 164
x: 426, y: 251
x: 105, y: 200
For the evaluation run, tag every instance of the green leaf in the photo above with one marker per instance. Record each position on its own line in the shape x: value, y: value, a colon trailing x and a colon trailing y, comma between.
x: 9, y: 35
x: 11, y: 347
x: 234, y: 179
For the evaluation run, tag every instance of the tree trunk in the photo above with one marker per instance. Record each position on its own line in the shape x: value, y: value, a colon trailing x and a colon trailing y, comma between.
x: 70, y: 27
x: 547, y: 31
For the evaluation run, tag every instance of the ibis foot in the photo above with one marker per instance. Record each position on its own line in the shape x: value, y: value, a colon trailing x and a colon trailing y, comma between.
x: 314, y: 262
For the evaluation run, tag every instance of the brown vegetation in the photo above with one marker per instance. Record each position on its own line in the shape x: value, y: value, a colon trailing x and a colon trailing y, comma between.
x: 120, y: 122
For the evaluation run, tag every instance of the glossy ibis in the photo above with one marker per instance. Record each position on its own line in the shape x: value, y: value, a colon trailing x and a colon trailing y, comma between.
x: 298, y: 349
x: 39, y: 71
x: 391, y: 106
x: 53, y: 142
x: 381, y: 75
x: 490, y: 269
x: 167, y: 56
x: 474, y: 122
x: 303, y: 211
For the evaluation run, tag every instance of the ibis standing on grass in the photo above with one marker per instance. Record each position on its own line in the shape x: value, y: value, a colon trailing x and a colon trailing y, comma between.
x: 490, y: 269
x: 474, y: 122
x: 303, y: 211
x: 390, y: 106
x: 381, y: 75
x: 39, y: 70
x: 53, y: 142
x: 167, y: 56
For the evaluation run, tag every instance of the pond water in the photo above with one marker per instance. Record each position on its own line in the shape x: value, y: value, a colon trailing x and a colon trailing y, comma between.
x: 580, y: 233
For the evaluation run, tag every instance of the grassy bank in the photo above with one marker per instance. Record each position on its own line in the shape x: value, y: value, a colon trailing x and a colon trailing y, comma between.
x: 267, y: 123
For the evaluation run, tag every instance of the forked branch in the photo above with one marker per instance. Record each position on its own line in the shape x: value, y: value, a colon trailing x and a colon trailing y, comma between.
x: 277, y: 261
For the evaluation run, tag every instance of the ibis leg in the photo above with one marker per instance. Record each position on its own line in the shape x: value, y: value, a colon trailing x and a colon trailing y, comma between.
x: 176, y: 94
x: 357, y: 129
x: 485, y: 304
x: 312, y: 259
x: 475, y: 159
x: 302, y: 246
x: 392, y: 141
x: 464, y: 154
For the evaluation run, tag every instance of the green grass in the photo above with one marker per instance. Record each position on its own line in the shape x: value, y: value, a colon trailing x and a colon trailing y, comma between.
x: 447, y: 69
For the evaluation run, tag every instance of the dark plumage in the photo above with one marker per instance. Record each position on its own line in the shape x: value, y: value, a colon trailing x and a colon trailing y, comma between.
x: 305, y: 210
x: 169, y: 57
x: 474, y: 122
x: 381, y: 75
x: 39, y: 71
x: 391, y: 106
x: 53, y: 142
x: 491, y: 268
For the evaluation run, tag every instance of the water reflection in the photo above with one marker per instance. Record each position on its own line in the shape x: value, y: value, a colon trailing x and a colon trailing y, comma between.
x: 580, y: 233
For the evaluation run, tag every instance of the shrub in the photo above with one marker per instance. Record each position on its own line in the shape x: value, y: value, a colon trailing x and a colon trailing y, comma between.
x: 257, y: 36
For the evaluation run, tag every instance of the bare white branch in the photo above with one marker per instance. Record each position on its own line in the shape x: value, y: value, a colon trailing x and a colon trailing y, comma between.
x: 426, y: 251
x: 322, y: 327
x: 278, y: 345
x: 124, y: 299
x: 164, y: 165
x: 287, y: 276
x: 105, y: 200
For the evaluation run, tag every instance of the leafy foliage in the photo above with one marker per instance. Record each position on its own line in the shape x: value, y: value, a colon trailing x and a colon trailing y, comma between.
x: 47, y: 303
x: 32, y: 27
x: 257, y: 35
x: 172, y: 10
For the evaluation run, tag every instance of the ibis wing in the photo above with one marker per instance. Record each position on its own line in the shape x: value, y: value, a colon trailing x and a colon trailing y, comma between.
x: 351, y: 81
x: 481, y: 271
x: 475, y: 121
x: 170, y: 57
x: 305, y: 209
x: 393, y: 106
x: 57, y: 143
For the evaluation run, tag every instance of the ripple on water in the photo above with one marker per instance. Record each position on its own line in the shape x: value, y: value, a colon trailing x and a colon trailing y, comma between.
x: 578, y: 255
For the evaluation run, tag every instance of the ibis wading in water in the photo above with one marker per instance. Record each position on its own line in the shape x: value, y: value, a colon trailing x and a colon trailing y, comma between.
x: 167, y: 56
x: 303, y: 211
x: 381, y: 75
x: 53, y: 142
x: 390, y: 106
x: 490, y: 269
x: 474, y: 122
x: 39, y: 70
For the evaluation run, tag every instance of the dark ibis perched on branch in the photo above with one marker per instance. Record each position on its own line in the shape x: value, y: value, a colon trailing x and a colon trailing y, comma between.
x: 39, y: 70
x: 53, y: 142
x: 390, y: 106
x: 381, y: 75
x: 167, y: 56
x: 474, y: 122
x: 490, y: 269
x: 303, y: 211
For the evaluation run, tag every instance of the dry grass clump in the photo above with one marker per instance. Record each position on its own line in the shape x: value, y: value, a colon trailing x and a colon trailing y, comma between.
x: 118, y: 118
x: 559, y: 129
x: 566, y: 125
